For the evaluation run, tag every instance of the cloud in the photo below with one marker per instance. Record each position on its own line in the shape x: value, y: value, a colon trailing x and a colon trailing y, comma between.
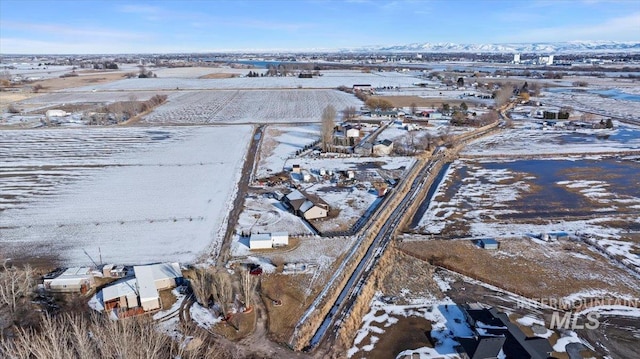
x: 623, y: 28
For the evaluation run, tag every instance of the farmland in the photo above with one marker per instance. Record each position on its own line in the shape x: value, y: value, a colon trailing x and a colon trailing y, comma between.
x: 133, y: 195
x: 248, y: 106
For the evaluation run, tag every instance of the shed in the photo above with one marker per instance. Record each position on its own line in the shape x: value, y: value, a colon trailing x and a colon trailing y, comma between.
x: 280, y: 238
x: 296, y: 169
x: 489, y: 243
x: 260, y: 241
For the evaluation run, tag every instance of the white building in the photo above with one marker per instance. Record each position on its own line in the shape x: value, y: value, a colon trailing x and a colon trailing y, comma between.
x: 152, y: 278
x: 260, y: 241
x: 121, y: 295
x: 55, y: 113
x: 279, y: 239
x: 72, y: 280
x: 383, y: 148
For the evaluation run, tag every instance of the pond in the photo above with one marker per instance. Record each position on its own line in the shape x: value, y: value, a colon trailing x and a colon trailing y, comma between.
x: 543, y: 197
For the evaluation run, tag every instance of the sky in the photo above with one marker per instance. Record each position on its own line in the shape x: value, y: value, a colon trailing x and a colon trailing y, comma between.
x: 115, y: 26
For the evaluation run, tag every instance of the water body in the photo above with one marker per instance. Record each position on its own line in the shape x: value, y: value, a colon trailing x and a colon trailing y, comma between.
x: 610, y: 93
x: 623, y: 135
x: 549, y: 199
x: 553, y: 199
x: 415, y: 221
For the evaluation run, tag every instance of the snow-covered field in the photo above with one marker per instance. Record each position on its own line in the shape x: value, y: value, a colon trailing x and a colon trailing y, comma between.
x: 280, y: 143
x: 61, y: 98
x: 135, y: 195
x: 594, y: 103
x: 522, y: 141
x: 329, y: 80
x: 233, y: 106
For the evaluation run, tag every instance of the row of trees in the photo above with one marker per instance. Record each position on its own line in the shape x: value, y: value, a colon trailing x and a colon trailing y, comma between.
x: 70, y: 336
x: 213, y: 288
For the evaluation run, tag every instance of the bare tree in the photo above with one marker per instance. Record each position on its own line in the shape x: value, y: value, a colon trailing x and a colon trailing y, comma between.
x: 15, y: 284
x: 414, y: 108
x: 200, y: 286
x: 503, y: 95
x: 249, y: 284
x: 328, y: 125
x: 349, y: 112
x: 221, y: 290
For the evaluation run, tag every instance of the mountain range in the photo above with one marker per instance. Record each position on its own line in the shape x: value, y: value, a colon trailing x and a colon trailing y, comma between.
x: 534, y: 47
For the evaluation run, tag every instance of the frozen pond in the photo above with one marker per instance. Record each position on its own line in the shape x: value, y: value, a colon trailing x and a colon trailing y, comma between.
x: 531, y: 190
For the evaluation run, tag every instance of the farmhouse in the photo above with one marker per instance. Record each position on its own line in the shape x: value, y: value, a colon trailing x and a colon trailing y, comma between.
x: 151, y: 279
x: 303, y: 206
x: 121, y: 295
x: 383, y: 148
x: 141, y: 291
x: 494, y: 332
x: 72, y: 280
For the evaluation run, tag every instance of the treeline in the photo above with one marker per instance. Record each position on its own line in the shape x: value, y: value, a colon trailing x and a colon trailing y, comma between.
x: 69, y: 336
x: 123, y: 110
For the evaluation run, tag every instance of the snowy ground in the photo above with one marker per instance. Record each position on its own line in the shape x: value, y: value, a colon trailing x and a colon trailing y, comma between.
x: 329, y: 80
x: 280, y: 143
x: 435, y: 128
x: 263, y: 106
x: 529, y: 140
x: 594, y: 103
x: 447, y: 322
x: 319, y: 253
x: 495, y: 201
x: 267, y: 215
x: 61, y: 98
x: 134, y: 195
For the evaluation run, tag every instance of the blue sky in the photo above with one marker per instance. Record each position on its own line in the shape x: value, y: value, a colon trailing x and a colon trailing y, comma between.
x: 34, y: 26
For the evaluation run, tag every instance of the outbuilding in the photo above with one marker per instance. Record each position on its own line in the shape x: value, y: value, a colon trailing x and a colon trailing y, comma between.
x: 279, y: 239
x: 260, y: 241
x: 488, y: 243
x: 121, y: 295
x: 72, y: 280
x: 383, y: 148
